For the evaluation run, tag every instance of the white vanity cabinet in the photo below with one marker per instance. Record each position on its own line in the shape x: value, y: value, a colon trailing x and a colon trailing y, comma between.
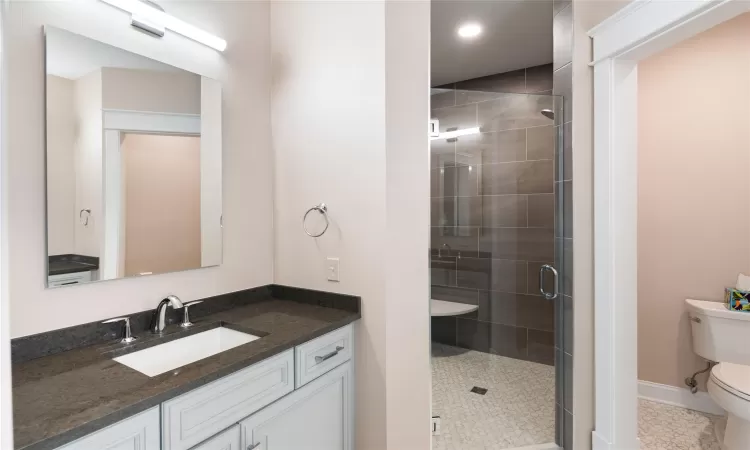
x: 316, y: 417
x: 201, y: 413
x: 227, y: 440
x: 140, y: 432
x: 299, y: 399
x: 68, y: 279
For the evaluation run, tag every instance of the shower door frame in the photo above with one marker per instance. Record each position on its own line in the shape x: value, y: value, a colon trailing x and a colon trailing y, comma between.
x: 639, y: 30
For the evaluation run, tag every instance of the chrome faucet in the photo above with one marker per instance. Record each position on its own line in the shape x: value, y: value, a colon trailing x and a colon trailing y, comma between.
x: 158, y: 321
x: 440, y: 250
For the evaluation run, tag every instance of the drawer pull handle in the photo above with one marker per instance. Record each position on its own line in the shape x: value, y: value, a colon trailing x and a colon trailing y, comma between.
x: 320, y: 359
x: 253, y: 446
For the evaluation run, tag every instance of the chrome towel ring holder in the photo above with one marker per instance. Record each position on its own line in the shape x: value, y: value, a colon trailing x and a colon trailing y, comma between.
x: 322, y: 209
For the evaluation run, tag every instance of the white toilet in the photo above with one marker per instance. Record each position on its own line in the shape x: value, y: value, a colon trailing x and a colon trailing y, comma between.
x: 723, y: 336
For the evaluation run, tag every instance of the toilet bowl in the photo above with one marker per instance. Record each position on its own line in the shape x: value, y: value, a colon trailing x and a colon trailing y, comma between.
x: 720, y: 335
x: 729, y: 387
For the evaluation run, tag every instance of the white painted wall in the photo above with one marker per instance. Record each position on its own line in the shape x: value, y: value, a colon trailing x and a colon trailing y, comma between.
x: 61, y: 173
x: 586, y: 14
x: 244, y: 72
x: 349, y: 108
x: 87, y: 99
x: 328, y: 127
x: 211, y: 208
x: 6, y: 405
x: 408, y: 369
x: 151, y: 91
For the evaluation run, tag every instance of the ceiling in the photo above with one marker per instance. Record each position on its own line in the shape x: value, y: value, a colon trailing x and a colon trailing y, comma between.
x: 72, y: 56
x: 516, y: 34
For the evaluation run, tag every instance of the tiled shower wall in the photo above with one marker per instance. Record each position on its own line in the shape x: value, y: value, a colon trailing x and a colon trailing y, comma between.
x: 493, y: 213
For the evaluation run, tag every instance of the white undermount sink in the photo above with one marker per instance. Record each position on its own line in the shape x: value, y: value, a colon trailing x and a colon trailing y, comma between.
x: 180, y: 352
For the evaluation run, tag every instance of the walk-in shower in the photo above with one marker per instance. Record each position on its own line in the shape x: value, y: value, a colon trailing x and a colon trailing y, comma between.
x: 496, y: 213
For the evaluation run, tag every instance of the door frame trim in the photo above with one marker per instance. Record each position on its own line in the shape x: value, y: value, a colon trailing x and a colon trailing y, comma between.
x: 639, y: 30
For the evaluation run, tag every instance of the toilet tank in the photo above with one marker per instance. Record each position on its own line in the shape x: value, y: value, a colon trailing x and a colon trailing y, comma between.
x: 719, y: 334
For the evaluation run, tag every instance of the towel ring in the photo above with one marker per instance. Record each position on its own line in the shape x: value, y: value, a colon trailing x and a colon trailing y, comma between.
x: 321, y: 208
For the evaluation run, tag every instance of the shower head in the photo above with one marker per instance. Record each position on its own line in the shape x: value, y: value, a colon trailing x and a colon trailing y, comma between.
x: 548, y: 113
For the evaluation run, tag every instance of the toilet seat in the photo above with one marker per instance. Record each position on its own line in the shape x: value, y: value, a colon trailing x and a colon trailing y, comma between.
x: 733, y: 378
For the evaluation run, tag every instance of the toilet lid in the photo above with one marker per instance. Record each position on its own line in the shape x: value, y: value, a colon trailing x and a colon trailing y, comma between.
x: 734, y: 378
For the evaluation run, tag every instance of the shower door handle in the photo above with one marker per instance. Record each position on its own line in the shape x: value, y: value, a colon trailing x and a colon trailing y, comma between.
x: 555, y: 285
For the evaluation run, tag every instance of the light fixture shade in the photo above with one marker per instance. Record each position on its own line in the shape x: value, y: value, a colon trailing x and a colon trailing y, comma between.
x: 456, y: 133
x: 143, y: 10
x: 469, y: 30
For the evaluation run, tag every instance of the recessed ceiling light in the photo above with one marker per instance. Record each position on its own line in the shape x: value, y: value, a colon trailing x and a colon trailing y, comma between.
x: 469, y: 30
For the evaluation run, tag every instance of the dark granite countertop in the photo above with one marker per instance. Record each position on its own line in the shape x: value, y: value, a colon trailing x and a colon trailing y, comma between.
x: 65, y: 267
x: 62, y: 397
x: 69, y: 263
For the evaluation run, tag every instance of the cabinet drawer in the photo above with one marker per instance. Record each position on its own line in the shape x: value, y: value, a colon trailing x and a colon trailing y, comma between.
x: 203, y: 412
x: 314, y: 358
x: 227, y: 440
x: 69, y: 278
x: 140, y: 432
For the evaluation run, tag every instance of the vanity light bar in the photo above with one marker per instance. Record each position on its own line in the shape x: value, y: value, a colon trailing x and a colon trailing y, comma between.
x: 456, y: 133
x: 160, y: 18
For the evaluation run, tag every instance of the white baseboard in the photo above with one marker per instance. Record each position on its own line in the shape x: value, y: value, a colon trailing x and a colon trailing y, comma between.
x: 598, y: 442
x: 681, y: 397
x: 538, y: 447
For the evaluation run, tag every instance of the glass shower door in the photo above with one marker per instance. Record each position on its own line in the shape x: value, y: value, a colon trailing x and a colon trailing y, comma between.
x: 496, y: 267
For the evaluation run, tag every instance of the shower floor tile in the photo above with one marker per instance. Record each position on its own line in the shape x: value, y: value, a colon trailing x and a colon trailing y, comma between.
x: 517, y: 410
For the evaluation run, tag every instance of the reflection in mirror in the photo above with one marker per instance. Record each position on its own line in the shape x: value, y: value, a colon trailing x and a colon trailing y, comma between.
x: 133, y: 164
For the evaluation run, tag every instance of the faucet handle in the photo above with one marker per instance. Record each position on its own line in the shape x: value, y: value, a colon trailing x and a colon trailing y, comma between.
x: 186, y: 317
x: 128, y: 335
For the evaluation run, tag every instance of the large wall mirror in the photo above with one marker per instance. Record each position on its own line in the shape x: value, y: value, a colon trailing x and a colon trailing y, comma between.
x: 133, y: 164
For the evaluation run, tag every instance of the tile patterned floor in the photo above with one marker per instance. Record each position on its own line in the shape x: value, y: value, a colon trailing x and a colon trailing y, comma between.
x: 666, y: 427
x: 518, y: 408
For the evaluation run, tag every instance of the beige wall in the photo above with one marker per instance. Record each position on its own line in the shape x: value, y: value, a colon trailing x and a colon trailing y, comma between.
x: 151, y: 91
x: 693, y: 195
x: 61, y: 173
x: 159, y: 171
x: 244, y: 70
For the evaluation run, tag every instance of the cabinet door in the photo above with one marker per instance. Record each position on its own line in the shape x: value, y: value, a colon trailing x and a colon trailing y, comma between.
x: 315, y: 417
x: 226, y: 440
x: 140, y: 432
x: 197, y: 415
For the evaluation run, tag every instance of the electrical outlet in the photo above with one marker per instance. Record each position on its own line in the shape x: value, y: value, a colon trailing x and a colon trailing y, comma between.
x: 332, y: 267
